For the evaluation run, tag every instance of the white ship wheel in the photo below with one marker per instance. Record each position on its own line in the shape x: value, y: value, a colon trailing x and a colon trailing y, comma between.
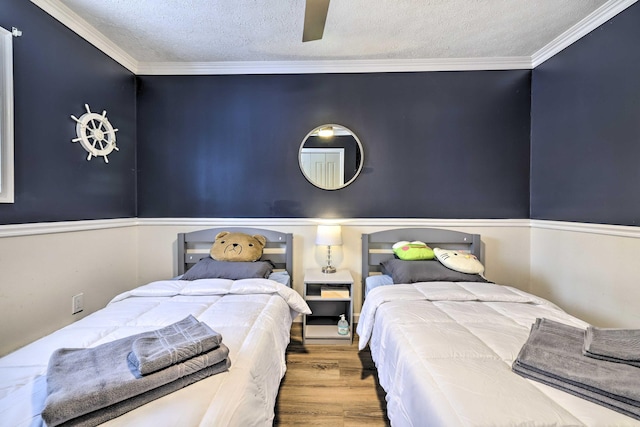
x: 95, y: 134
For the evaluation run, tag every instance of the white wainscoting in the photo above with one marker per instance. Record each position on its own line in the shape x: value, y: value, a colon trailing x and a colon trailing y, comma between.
x: 42, y: 271
x: 505, y: 244
x: 588, y: 269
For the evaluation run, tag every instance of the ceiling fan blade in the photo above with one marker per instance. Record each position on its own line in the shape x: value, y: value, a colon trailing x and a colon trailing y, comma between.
x: 315, y: 15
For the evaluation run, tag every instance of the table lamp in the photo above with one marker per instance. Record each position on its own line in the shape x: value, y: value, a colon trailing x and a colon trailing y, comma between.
x: 329, y: 235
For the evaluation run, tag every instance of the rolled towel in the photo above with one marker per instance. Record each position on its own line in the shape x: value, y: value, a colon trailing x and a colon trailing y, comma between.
x: 614, y: 345
x: 152, y: 353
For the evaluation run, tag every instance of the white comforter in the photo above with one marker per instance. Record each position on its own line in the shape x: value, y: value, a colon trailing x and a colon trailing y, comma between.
x: 444, y: 351
x: 253, y: 315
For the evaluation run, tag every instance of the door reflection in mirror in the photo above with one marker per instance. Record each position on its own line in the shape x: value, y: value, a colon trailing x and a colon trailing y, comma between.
x: 331, y: 156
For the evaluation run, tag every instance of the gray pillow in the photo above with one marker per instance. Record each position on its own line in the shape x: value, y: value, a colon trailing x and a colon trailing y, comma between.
x: 425, y: 271
x: 208, y: 268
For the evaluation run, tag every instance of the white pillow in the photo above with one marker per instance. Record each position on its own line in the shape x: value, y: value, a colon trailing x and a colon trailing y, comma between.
x: 463, y: 262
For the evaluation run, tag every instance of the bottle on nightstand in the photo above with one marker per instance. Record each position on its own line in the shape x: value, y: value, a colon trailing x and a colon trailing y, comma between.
x: 343, y: 326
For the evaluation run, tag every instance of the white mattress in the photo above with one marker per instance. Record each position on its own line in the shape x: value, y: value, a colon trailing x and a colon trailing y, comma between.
x: 253, y: 315
x: 444, y: 352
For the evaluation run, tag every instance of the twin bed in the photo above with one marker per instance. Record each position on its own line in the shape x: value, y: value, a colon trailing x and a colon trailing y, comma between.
x: 253, y: 316
x: 444, y: 347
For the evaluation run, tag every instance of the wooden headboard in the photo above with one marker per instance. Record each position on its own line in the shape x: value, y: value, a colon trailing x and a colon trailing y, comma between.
x: 376, y: 247
x: 194, y: 246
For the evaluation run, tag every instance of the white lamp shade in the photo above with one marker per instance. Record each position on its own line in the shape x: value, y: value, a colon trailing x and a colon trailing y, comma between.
x: 329, y: 235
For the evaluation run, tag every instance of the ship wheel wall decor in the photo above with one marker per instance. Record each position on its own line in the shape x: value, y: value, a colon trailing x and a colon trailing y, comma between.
x: 95, y: 134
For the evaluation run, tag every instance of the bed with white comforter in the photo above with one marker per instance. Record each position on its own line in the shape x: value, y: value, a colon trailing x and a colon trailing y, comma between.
x: 444, y: 350
x: 254, y: 317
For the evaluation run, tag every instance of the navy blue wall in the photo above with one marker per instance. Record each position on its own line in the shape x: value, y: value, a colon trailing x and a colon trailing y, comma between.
x: 55, y: 73
x: 439, y: 144
x: 585, y: 132
x: 442, y: 145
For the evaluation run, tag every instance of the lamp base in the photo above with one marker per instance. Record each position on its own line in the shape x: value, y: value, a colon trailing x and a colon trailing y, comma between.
x: 328, y: 269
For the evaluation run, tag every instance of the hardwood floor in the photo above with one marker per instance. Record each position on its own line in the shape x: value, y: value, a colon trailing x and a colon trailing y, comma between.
x: 329, y: 385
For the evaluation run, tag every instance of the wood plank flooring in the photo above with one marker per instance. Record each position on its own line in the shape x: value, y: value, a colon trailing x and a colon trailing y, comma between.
x: 327, y: 385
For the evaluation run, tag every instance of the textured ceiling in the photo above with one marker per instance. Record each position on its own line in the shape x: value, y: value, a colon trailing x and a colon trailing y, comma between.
x: 271, y: 30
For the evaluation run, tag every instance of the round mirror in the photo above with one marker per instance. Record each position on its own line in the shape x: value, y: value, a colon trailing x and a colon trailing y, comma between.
x: 331, y: 157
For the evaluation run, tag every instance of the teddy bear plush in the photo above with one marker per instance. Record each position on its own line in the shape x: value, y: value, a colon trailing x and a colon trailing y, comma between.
x: 229, y: 246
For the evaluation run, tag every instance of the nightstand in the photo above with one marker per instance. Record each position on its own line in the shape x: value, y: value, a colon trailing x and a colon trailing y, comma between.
x: 329, y: 295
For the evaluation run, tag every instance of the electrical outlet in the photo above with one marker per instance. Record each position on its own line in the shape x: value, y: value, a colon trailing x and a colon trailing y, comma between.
x: 77, y: 303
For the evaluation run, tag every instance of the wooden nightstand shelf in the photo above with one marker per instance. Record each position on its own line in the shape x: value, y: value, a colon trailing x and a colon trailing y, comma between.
x: 321, y: 327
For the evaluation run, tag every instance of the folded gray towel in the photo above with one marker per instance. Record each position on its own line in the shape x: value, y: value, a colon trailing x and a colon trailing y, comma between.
x: 553, y: 355
x: 80, y: 381
x: 105, y: 414
x: 150, y: 354
x: 175, y: 328
x: 614, y: 345
x: 568, y: 387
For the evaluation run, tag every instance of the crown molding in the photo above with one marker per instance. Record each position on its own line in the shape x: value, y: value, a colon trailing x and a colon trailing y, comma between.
x: 581, y: 29
x: 88, y: 32
x: 332, y: 66
x: 69, y: 18
x: 81, y: 27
